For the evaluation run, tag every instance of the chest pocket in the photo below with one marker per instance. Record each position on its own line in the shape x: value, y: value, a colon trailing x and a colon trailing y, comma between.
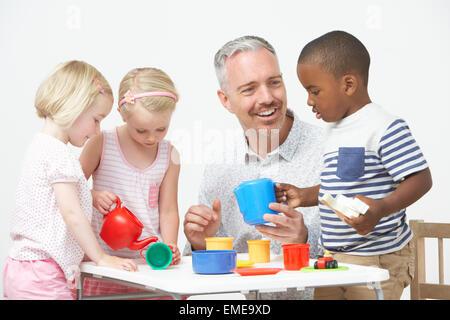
x: 350, y: 164
x: 153, y: 196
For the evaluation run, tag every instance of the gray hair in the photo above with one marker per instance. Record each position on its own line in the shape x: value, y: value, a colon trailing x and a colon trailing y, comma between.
x: 245, y: 43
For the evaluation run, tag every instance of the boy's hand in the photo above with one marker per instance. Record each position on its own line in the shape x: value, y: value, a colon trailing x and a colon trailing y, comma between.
x: 365, y: 223
x: 409, y: 191
x: 103, y: 200
x: 289, y: 194
x: 296, y: 197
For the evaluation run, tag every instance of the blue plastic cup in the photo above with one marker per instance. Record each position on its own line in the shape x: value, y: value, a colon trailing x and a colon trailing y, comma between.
x: 253, y: 198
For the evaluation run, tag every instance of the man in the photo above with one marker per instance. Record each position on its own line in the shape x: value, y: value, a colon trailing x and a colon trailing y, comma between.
x: 275, y: 144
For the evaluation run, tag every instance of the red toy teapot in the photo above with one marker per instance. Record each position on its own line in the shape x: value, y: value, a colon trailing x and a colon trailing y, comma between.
x: 121, y: 229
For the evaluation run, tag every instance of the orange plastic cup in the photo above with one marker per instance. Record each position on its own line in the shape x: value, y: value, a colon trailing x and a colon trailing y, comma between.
x: 219, y: 243
x: 259, y: 250
x: 295, y: 256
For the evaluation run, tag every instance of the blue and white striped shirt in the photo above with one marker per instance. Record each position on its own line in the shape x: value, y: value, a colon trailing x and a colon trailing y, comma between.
x: 370, y: 153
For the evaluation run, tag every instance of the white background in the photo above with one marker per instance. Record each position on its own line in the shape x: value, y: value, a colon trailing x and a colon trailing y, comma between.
x: 409, y: 43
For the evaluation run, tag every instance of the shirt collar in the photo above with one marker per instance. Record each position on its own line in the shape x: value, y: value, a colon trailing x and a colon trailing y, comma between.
x: 289, y: 146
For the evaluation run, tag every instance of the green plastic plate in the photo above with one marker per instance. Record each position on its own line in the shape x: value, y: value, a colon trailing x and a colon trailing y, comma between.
x: 311, y: 269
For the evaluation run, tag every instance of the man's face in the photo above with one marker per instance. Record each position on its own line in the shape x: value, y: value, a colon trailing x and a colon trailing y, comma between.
x: 325, y: 93
x: 256, y: 92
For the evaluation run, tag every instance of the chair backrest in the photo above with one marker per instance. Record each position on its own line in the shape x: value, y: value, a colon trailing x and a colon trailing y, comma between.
x: 419, y: 288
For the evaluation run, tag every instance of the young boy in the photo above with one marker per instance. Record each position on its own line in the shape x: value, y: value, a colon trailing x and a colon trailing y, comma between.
x: 368, y: 154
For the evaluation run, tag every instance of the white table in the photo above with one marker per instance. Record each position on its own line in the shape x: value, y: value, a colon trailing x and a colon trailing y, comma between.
x: 180, y: 280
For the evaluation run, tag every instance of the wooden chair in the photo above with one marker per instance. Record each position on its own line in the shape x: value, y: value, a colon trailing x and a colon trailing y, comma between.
x: 419, y: 288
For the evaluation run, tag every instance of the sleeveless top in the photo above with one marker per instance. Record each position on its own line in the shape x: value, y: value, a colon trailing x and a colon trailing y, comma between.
x: 138, y: 189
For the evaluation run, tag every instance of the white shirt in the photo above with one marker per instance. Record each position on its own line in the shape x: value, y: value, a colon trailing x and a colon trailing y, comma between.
x: 38, y: 230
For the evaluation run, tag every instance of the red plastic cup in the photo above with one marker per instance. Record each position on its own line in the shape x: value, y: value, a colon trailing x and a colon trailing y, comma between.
x: 295, y: 256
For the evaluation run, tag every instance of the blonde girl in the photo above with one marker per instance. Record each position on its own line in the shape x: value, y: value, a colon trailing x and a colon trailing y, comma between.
x: 51, y: 228
x: 135, y: 163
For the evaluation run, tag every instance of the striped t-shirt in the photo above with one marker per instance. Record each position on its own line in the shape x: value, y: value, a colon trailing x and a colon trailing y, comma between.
x: 369, y: 153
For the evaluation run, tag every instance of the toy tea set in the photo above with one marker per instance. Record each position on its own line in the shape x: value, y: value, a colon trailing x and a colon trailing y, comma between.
x: 253, y: 198
x: 121, y: 229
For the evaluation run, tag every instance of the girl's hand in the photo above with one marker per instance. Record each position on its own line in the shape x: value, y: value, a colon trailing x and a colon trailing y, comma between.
x: 103, y: 200
x: 365, y: 223
x: 176, y: 256
x: 117, y: 263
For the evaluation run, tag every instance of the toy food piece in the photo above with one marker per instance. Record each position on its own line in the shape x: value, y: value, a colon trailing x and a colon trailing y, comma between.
x: 323, y: 263
x: 349, y: 207
x: 326, y: 262
x: 244, y: 263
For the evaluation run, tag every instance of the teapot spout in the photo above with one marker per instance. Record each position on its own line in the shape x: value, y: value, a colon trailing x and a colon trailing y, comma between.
x: 138, y: 245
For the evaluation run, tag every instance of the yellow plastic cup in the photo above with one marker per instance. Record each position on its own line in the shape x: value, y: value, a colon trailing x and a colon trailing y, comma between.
x: 259, y: 250
x: 219, y: 243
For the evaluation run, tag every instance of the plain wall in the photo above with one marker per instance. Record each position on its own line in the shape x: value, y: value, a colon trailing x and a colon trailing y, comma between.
x: 409, y: 43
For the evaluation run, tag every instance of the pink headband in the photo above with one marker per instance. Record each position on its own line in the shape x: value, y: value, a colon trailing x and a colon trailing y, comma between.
x: 130, y: 97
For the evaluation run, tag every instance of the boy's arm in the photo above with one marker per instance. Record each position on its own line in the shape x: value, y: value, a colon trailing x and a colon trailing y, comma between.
x: 409, y: 191
x: 297, y: 197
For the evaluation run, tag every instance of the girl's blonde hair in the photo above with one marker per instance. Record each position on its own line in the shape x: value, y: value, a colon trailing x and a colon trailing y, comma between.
x: 68, y: 91
x: 142, y: 80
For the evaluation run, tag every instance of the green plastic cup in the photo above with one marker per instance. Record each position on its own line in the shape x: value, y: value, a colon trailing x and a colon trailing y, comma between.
x: 158, y: 256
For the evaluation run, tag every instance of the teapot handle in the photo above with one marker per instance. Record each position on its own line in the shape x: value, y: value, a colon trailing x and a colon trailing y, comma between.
x: 118, y: 205
x: 140, y: 252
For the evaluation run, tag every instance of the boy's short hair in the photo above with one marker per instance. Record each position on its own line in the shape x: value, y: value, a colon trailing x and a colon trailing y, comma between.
x: 337, y: 52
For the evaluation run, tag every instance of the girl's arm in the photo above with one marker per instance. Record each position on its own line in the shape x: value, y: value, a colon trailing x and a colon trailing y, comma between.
x: 66, y: 195
x: 90, y: 159
x: 91, y: 155
x: 168, y: 204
